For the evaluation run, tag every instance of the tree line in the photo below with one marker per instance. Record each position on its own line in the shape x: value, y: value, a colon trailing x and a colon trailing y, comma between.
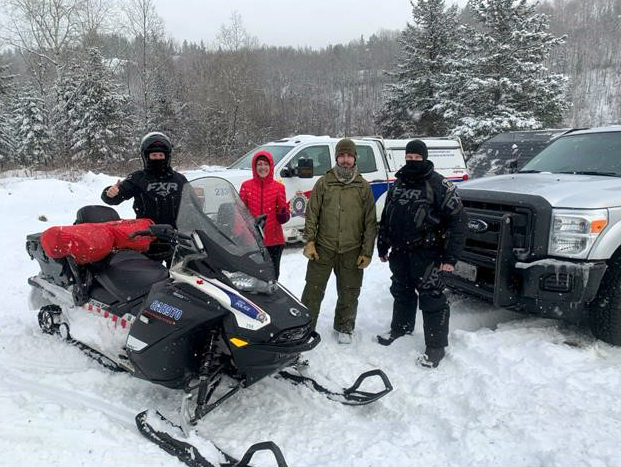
x: 82, y: 80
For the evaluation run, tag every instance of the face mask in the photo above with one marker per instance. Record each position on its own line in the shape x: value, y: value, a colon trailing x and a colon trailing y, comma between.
x: 345, y: 174
x: 158, y: 166
x: 416, y: 165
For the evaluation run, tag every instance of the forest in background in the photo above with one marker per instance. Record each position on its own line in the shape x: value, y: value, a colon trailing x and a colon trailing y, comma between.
x: 218, y: 100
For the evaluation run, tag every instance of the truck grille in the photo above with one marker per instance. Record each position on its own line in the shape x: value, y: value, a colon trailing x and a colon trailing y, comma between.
x: 503, y: 228
x: 482, y: 246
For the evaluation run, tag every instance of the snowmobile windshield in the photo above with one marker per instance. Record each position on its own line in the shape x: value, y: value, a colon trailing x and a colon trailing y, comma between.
x: 587, y: 154
x: 212, y: 207
x: 277, y: 152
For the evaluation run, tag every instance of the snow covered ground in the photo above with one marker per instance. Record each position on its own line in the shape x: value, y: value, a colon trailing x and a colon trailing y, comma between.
x: 513, y: 390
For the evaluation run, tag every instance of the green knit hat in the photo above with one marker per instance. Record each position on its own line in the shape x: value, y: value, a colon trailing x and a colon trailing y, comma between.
x: 345, y: 145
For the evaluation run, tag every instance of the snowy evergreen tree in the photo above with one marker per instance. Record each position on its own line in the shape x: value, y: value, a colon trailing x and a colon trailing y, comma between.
x: 165, y: 111
x: 33, y: 145
x: 67, y: 93
x: 6, y: 103
x: 501, y: 79
x: 427, y: 46
x: 95, y: 114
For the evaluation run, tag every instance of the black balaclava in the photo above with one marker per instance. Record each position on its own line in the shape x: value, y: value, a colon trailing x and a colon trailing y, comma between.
x: 414, y: 168
x: 159, y: 166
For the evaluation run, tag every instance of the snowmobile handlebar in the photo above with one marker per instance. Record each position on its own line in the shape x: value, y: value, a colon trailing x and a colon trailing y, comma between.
x: 161, y: 231
x: 259, y: 221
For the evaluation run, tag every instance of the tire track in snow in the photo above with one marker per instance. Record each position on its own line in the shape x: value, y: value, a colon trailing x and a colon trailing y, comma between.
x: 67, y: 397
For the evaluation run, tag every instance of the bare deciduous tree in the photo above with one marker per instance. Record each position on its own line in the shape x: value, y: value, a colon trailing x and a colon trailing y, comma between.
x: 234, y: 37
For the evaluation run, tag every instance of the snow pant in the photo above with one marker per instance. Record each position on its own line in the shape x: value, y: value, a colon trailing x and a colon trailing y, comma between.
x: 348, y: 283
x: 275, y: 253
x: 415, y: 275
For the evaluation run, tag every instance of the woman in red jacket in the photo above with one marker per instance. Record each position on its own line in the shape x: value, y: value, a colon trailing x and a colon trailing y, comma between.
x: 264, y: 195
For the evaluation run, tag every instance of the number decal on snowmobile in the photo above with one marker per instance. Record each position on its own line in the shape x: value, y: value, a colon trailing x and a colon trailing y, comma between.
x: 166, y: 310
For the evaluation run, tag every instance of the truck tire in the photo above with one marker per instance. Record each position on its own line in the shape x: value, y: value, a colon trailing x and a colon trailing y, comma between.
x: 605, y: 309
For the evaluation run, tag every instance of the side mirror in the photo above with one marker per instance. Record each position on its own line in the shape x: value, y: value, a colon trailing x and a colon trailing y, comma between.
x: 305, y: 168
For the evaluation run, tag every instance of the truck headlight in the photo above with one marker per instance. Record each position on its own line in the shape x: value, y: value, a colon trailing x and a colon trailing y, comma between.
x: 573, y: 232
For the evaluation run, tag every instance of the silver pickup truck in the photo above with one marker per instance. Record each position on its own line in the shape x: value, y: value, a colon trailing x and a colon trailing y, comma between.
x: 547, y: 240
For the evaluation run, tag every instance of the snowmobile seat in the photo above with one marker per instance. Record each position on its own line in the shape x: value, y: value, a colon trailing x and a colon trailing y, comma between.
x: 55, y: 270
x: 95, y: 214
x: 130, y: 274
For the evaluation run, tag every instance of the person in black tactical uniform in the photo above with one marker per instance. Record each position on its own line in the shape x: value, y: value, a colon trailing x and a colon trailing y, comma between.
x: 423, y: 225
x: 156, y: 189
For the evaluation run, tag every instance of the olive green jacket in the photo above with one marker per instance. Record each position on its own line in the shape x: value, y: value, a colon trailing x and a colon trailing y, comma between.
x: 341, y: 217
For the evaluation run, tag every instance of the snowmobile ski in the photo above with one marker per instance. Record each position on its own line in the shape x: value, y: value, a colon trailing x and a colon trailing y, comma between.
x: 189, y: 454
x: 348, y: 396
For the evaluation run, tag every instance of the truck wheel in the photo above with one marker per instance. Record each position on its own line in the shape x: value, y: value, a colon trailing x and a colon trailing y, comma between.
x: 605, y: 309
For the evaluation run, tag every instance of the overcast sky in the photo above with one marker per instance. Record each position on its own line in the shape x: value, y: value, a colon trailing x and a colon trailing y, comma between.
x: 298, y: 23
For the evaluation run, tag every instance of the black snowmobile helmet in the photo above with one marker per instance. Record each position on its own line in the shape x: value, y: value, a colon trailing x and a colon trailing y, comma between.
x: 155, y: 142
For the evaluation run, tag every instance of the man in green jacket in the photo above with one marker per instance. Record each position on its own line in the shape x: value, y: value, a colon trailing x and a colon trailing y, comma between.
x: 340, y: 232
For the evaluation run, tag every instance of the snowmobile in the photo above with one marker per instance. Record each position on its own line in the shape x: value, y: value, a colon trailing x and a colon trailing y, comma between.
x: 217, y: 314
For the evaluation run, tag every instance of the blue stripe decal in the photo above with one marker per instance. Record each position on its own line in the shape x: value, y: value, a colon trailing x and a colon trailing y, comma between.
x: 240, y: 304
x: 379, y: 188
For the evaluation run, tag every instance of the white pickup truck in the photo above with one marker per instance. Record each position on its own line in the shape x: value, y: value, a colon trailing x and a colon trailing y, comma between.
x: 378, y: 160
x: 547, y: 240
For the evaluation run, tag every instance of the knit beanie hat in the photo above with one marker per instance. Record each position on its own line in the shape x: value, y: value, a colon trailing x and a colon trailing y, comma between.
x: 416, y: 146
x: 345, y: 145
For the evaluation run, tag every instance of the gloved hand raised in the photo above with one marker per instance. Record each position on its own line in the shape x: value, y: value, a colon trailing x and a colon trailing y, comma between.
x: 363, y: 261
x: 310, y: 252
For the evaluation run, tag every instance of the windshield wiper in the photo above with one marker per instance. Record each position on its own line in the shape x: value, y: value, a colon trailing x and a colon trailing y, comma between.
x: 529, y: 171
x: 591, y: 172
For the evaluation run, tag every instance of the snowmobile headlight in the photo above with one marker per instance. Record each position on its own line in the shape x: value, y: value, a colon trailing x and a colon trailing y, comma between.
x: 247, y: 283
x: 573, y: 232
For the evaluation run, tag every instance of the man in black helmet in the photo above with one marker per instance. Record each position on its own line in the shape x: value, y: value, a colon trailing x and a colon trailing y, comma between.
x: 422, y: 225
x: 156, y: 189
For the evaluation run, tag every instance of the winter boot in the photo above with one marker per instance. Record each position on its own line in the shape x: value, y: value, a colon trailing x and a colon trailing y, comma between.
x: 389, y: 337
x: 343, y: 337
x: 431, y: 357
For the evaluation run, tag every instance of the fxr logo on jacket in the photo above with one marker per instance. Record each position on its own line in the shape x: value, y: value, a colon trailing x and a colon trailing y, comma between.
x: 404, y: 195
x: 162, y: 188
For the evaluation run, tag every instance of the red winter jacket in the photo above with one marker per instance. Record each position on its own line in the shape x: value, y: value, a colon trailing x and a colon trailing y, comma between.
x: 266, y: 196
